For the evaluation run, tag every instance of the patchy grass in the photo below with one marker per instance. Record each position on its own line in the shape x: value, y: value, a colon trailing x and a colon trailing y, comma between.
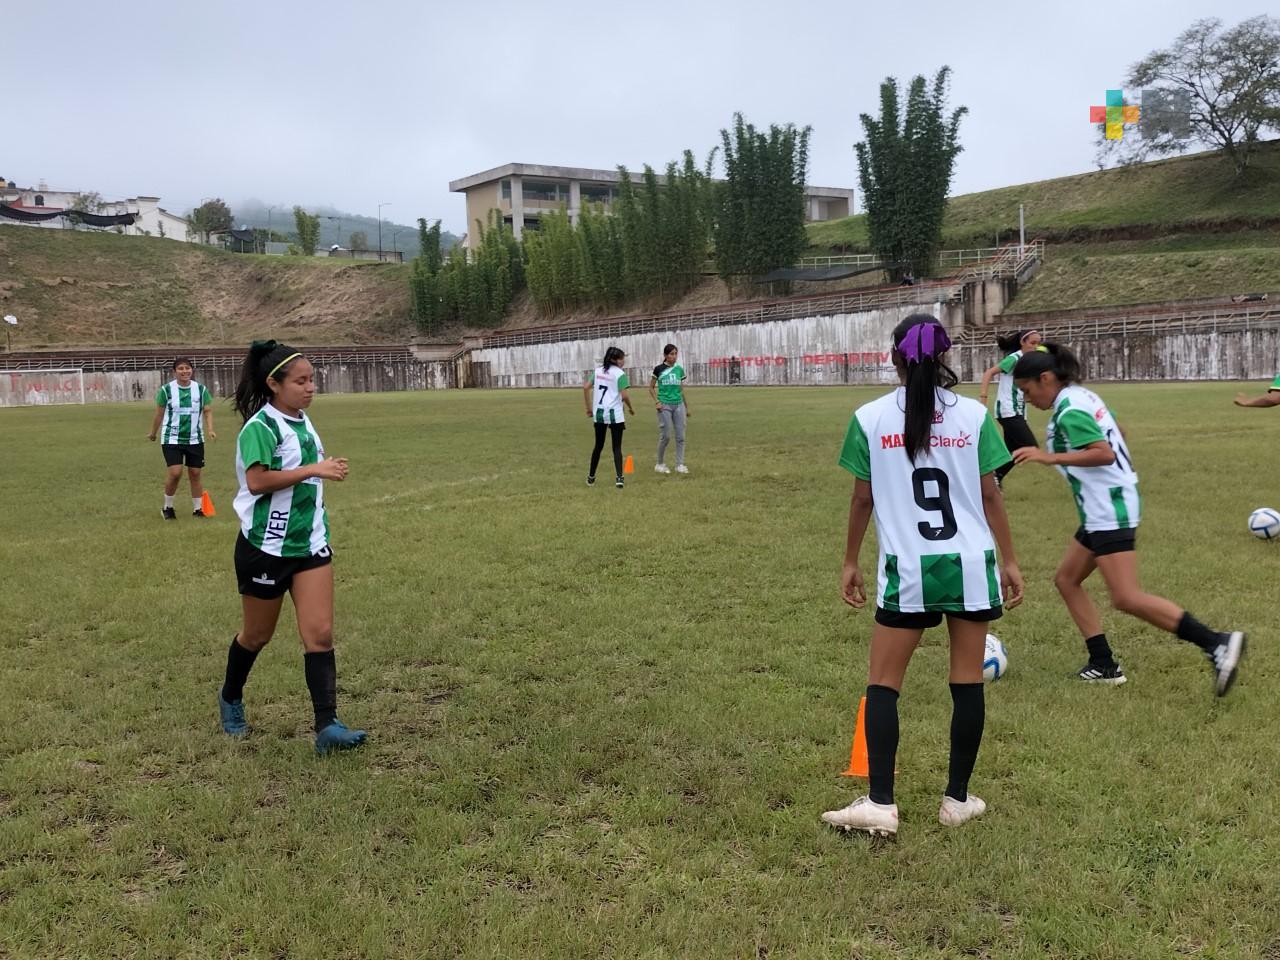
x: 603, y: 723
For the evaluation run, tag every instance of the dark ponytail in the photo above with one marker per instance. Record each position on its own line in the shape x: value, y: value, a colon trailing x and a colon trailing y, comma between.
x: 264, y: 357
x: 1011, y: 342
x: 611, y: 357
x: 1048, y: 358
x: 919, y: 342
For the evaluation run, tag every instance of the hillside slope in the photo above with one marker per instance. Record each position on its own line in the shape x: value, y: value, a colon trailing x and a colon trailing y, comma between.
x: 99, y: 289
x: 1192, y: 193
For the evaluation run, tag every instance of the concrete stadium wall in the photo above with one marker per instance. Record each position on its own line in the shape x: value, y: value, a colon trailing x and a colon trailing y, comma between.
x: 840, y: 348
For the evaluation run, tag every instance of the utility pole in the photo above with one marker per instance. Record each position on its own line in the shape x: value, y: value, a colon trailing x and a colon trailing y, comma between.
x: 269, y: 209
x: 1022, y: 230
x: 380, y: 206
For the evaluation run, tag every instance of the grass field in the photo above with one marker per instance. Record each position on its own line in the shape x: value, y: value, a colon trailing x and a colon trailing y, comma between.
x: 604, y: 723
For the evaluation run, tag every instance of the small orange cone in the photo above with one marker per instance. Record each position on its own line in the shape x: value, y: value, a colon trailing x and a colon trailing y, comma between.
x: 629, y: 466
x: 858, y: 754
x: 206, y: 505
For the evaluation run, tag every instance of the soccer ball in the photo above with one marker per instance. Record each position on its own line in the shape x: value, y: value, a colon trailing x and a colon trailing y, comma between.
x: 995, y: 660
x: 1264, y: 523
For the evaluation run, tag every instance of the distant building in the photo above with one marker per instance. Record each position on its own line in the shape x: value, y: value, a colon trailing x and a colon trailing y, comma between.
x: 150, y: 219
x: 522, y: 192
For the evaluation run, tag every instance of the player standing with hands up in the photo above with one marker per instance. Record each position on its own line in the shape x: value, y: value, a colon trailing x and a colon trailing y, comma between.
x: 283, y: 545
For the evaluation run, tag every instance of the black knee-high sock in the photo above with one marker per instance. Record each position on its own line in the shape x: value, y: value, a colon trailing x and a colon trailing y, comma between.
x: 595, y: 451
x: 239, y: 663
x: 617, y: 451
x: 322, y: 680
x: 882, y: 741
x: 1100, y: 654
x: 1193, y: 631
x: 968, y: 714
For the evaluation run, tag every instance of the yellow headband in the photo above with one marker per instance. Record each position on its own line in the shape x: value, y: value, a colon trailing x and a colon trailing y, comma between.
x: 281, y: 364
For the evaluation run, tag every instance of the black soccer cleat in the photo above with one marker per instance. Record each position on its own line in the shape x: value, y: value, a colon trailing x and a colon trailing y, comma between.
x: 591, y: 481
x: 618, y: 483
x: 1094, y: 673
x: 168, y: 513
x: 197, y: 513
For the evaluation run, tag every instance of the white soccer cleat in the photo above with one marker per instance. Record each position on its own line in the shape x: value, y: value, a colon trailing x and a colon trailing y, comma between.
x: 661, y: 468
x: 878, y: 819
x: 1226, y: 661
x: 952, y: 813
x: 681, y: 468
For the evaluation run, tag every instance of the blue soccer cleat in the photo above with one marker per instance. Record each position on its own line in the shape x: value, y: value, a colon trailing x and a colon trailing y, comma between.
x: 336, y: 736
x: 232, y: 715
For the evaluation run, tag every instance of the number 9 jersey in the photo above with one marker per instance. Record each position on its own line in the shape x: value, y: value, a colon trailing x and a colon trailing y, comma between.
x: 1106, y: 497
x: 936, y: 550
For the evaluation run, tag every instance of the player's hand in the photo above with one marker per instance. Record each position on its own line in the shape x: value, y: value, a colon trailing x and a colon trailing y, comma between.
x: 588, y: 414
x: 1241, y: 400
x: 1030, y: 455
x: 852, y: 590
x: 982, y: 397
x: 331, y: 468
x: 212, y: 435
x: 688, y: 412
x: 151, y: 437
x: 1013, y: 585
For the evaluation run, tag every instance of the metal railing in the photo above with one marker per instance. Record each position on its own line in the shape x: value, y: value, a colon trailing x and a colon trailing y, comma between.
x: 145, y: 359
x: 946, y: 258
x: 1208, y: 320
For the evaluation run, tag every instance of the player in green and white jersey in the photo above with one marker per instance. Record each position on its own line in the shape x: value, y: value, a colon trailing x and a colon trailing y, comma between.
x: 1088, y: 447
x: 923, y: 459
x: 672, y: 403
x: 1011, y: 406
x: 283, y: 544
x: 184, y: 415
x: 1269, y: 399
x: 605, y: 394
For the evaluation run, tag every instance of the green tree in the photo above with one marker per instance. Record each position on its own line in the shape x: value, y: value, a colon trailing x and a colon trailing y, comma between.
x: 359, y: 240
x: 90, y: 202
x: 904, y: 167
x: 308, y: 227
x: 1230, y: 79
x: 212, y: 216
x: 760, y: 206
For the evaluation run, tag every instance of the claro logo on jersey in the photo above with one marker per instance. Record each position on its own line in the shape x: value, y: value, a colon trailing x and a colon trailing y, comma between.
x: 890, y: 440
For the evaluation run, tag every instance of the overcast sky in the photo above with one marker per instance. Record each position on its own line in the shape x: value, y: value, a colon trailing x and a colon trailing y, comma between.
x: 357, y: 103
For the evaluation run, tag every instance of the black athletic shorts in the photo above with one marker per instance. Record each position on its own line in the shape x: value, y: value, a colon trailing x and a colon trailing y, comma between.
x: 175, y: 454
x: 932, y: 618
x: 266, y: 577
x: 1101, y: 543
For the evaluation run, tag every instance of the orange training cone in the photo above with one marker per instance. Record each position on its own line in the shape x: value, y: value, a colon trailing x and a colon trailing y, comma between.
x: 629, y: 466
x: 206, y: 504
x: 858, y: 754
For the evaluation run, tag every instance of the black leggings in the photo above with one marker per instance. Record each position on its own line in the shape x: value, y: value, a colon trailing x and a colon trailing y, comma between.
x: 1016, y: 434
x: 615, y: 432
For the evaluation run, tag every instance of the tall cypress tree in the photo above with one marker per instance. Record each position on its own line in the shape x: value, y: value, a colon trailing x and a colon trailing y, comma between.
x: 904, y: 168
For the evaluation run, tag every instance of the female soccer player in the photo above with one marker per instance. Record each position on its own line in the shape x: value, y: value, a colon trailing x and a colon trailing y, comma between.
x: 181, y: 404
x: 1011, y: 406
x: 605, y: 394
x: 1269, y: 399
x: 1087, y: 446
x: 922, y: 458
x: 283, y: 545
x: 672, y: 403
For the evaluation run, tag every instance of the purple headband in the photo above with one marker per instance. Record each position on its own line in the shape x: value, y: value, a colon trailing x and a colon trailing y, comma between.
x: 924, y: 340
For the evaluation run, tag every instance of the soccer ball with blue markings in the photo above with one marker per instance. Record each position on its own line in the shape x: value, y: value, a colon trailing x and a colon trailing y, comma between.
x: 995, y: 661
x: 1264, y: 523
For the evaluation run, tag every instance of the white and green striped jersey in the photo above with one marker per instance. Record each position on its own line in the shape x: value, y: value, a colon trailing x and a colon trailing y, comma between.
x: 291, y: 522
x: 1106, y: 497
x: 936, y: 549
x: 183, y: 411
x: 606, y: 394
x: 1010, y: 401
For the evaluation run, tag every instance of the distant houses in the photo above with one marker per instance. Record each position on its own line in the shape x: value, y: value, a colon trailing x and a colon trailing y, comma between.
x: 41, y: 206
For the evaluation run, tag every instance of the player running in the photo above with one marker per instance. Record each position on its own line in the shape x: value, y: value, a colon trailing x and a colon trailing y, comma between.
x: 283, y: 544
x: 184, y: 414
x: 672, y: 403
x: 605, y: 394
x: 1011, y: 406
x: 1088, y: 447
x: 923, y: 459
